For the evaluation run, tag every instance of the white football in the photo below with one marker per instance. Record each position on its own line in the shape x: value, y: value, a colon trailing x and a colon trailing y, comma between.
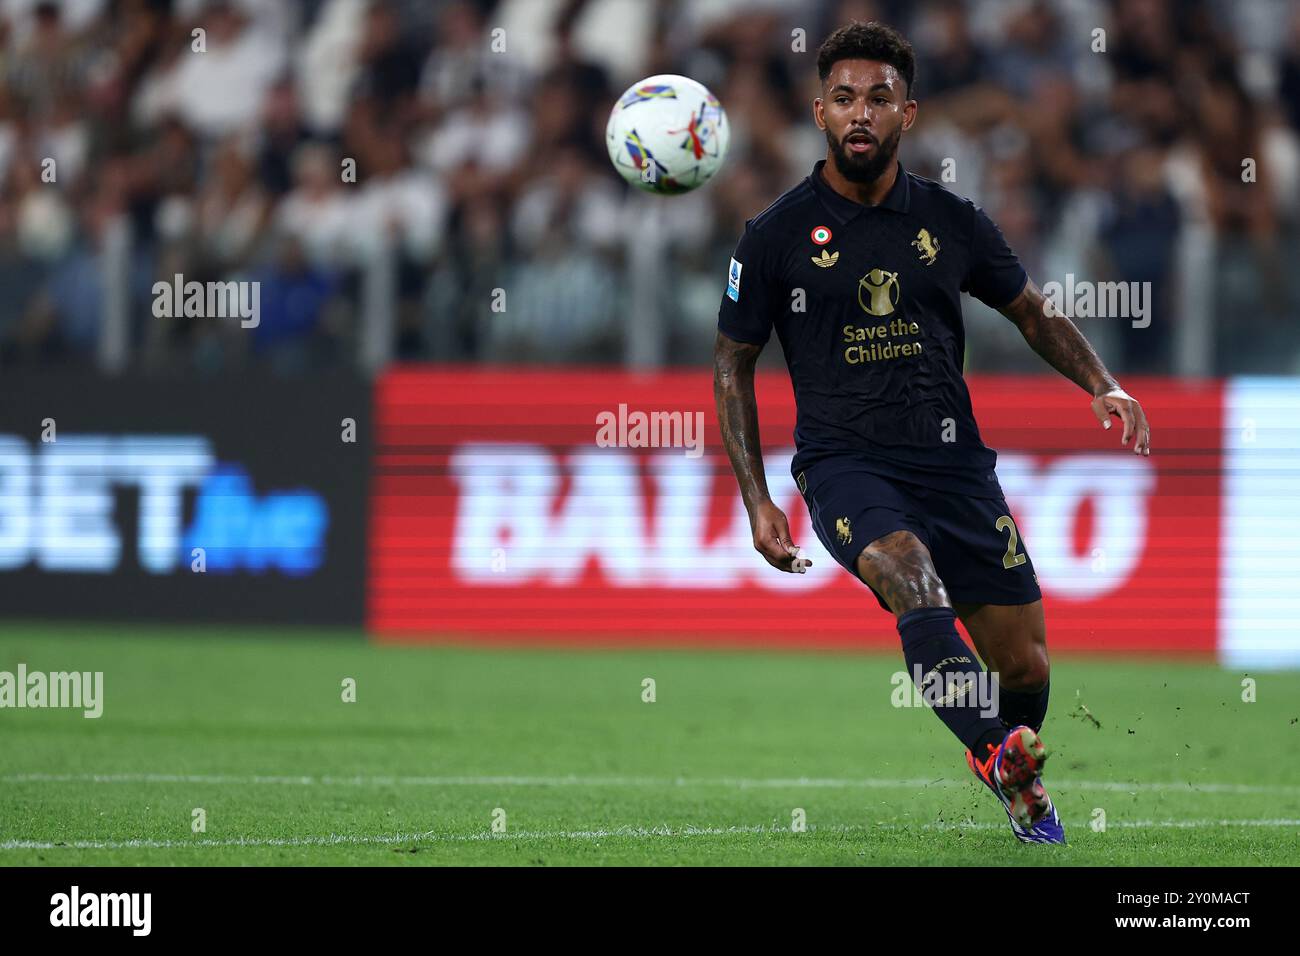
x: 667, y: 134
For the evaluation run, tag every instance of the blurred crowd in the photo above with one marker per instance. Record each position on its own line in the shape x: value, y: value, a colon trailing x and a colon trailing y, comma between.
x: 456, y: 147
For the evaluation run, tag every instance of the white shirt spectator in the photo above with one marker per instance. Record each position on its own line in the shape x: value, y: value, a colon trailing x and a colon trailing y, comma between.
x: 326, y: 65
x: 220, y: 91
x: 593, y: 221
x: 322, y: 224
x: 408, y: 206
x: 74, y: 15
x: 493, y: 141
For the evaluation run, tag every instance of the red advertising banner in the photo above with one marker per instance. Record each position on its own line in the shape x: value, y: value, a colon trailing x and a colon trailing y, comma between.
x: 585, y: 507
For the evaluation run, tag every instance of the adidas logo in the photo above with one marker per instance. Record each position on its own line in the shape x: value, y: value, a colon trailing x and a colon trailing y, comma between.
x: 826, y: 259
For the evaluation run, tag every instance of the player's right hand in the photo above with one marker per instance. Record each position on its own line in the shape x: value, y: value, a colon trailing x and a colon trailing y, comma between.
x: 772, y: 539
x: 1125, y: 407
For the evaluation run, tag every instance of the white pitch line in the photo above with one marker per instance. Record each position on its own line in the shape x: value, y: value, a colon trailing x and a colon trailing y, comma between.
x: 741, y: 783
x: 601, y: 834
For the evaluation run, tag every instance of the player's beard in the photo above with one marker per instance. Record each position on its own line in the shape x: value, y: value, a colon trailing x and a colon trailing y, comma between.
x: 867, y: 167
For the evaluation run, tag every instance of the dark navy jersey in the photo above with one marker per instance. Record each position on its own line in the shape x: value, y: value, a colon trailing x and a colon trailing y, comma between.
x: 866, y: 301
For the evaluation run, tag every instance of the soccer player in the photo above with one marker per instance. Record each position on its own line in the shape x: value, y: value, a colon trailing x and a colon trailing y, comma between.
x: 859, y: 269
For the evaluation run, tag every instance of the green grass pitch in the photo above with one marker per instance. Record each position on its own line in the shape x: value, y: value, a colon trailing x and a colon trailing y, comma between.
x: 250, y: 726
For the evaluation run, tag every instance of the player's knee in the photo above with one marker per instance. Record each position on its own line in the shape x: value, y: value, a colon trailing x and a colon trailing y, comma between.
x: 906, y: 589
x: 920, y: 590
x: 899, y: 568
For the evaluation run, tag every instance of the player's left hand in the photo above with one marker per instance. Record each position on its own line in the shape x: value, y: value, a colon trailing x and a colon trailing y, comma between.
x: 1125, y: 407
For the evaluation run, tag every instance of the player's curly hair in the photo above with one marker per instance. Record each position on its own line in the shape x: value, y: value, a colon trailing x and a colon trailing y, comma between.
x: 868, y: 41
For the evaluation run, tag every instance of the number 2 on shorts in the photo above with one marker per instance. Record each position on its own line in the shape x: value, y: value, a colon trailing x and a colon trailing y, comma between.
x: 1010, y: 559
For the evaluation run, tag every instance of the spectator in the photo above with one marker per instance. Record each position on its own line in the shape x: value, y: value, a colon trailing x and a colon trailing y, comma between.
x: 219, y: 89
x: 316, y: 213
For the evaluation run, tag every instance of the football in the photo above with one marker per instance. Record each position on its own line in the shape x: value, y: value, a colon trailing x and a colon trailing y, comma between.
x: 667, y: 134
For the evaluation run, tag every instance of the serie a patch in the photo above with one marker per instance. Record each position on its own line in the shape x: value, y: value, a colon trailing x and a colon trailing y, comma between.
x: 733, y: 280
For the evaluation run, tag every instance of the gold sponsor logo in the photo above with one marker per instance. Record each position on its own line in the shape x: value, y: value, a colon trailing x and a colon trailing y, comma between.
x: 878, y: 292
x: 842, y: 531
x: 927, y: 245
x: 826, y: 259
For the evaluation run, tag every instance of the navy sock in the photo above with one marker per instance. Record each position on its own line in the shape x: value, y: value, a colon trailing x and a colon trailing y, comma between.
x: 1023, y: 707
x: 930, y: 644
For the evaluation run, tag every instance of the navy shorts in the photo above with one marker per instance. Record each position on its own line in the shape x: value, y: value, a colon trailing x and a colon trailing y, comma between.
x: 973, y: 541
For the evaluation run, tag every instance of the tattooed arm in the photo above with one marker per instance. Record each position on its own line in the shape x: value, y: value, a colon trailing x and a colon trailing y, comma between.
x: 733, y: 391
x: 1053, y: 336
